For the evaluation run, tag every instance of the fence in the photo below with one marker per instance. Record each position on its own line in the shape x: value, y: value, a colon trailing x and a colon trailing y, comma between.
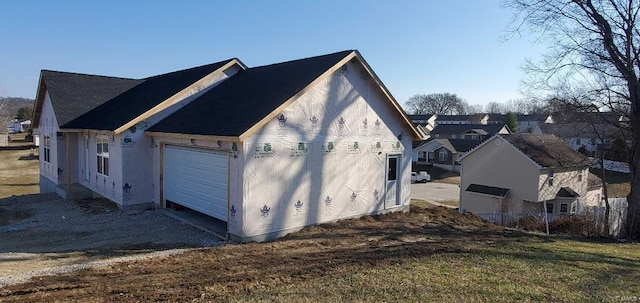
x: 617, y: 216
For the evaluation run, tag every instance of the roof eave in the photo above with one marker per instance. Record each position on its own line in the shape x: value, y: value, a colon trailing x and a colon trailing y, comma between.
x: 37, y: 106
x: 193, y: 136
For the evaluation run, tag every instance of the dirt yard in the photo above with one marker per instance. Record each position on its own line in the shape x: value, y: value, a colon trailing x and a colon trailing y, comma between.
x: 316, y: 251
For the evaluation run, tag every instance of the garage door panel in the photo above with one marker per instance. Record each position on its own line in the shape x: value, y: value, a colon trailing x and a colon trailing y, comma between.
x: 197, y: 179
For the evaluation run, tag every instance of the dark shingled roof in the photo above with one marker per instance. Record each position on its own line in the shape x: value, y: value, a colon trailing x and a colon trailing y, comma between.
x: 463, y: 145
x: 488, y: 190
x: 567, y: 192
x: 581, y: 130
x: 139, y: 99
x: 243, y: 100
x: 74, y: 94
x: 457, y: 129
x: 547, y: 150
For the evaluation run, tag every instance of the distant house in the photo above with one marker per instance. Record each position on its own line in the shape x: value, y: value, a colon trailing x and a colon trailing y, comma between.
x: 443, y: 153
x: 424, y: 124
x: 468, y: 131
x: 531, y: 124
x: 261, y: 151
x: 510, y: 176
x: 590, y: 137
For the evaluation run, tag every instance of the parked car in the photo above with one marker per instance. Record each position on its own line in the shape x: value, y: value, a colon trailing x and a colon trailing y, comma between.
x: 422, y: 176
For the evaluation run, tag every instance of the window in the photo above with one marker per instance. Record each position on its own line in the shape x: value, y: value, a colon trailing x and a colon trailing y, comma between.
x: 580, y: 178
x: 102, y: 152
x: 393, y: 169
x: 549, y: 208
x: 578, y: 141
x: 453, y: 136
x: 564, y: 208
x: 550, y: 178
x: 430, y: 156
x: 47, y: 148
x: 443, y: 155
x: 593, y: 142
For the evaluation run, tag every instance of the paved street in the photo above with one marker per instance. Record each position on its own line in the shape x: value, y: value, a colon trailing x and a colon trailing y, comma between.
x: 435, y: 192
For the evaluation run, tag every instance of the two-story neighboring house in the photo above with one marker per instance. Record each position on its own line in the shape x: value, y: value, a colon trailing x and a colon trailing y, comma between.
x: 587, y: 136
x: 521, y: 175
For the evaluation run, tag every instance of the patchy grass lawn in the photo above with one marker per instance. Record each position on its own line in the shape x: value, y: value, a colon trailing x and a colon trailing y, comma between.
x: 18, y: 172
x: 431, y: 254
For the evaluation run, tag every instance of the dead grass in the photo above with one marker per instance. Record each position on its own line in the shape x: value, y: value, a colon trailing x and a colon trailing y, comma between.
x: 618, y: 184
x: 450, y: 180
x: 18, y: 172
x: 431, y: 254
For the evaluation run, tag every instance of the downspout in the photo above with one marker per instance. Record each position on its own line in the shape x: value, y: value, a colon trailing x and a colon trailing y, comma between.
x: 546, y: 216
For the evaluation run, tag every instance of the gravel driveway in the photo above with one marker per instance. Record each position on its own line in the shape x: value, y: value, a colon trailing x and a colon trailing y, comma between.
x: 43, y: 234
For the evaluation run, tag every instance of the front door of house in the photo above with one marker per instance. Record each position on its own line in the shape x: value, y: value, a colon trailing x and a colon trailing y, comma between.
x: 392, y: 182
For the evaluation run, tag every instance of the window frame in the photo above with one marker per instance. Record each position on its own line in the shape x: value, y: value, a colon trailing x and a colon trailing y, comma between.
x: 549, y: 207
x: 566, y: 208
x: 47, y: 148
x: 441, y: 153
x: 102, y: 157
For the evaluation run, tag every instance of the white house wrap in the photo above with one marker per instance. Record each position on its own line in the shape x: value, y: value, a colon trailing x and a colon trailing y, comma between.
x: 264, y: 151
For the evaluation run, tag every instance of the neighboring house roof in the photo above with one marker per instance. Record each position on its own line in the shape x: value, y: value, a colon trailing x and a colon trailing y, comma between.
x: 453, y: 145
x: 492, y: 117
x: 531, y: 117
x: 416, y: 144
x: 255, y: 95
x: 470, y: 118
x: 415, y: 118
x: 148, y: 93
x: 580, y: 130
x: 498, y: 192
x: 463, y: 145
x: 478, y: 131
x: 73, y: 94
x: 567, y: 192
x: 593, y: 117
x: 457, y: 129
x: 593, y: 182
x: 547, y: 150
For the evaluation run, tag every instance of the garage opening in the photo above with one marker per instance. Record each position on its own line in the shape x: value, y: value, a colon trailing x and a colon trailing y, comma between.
x: 196, y: 184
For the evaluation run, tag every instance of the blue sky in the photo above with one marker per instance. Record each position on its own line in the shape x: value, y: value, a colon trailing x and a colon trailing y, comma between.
x: 415, y: 47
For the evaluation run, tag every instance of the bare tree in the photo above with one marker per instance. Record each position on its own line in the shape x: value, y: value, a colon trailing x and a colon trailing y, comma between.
x: 494, y: 107
x: 4, y: 114
x: 594, y: 53
x: 439, y: 104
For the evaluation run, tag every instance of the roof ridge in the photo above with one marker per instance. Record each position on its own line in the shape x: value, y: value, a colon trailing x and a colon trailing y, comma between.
x: 346, y: 52
x: 191, y: 68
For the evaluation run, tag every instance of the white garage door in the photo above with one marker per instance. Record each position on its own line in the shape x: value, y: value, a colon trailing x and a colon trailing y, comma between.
x: 197, y: 179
